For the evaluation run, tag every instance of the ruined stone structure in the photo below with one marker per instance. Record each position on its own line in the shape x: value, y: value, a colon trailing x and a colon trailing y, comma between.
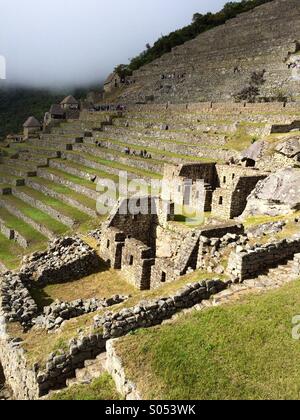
x: 204, y: 69
x: 111, y: 83
x: 222, y: 189
x: 148, y: 249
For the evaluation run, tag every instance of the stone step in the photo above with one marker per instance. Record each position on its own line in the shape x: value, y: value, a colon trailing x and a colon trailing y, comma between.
x: 107, y: 150
x: 92, y: 369
x: 37, y: 150
x: 113, y: 164
x: 22, y: 233
x: 11, y: 180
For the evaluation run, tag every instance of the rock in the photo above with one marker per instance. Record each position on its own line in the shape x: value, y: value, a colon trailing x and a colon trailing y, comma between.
x: 290, y: 147
x: 254, y: 152
x: 278, y: 194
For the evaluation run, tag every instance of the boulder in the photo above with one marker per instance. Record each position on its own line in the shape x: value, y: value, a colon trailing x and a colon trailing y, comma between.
x: 290, y: 147
x: 279, y: 194
x: 254, y: 152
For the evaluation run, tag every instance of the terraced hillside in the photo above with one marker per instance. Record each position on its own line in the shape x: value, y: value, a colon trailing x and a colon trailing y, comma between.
x: 48, y: 185
x: 218, y: 64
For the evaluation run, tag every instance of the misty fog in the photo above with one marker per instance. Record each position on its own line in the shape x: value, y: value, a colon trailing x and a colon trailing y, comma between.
x: 78, y: 42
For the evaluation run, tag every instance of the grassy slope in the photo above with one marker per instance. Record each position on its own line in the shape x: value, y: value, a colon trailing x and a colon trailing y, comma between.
x: 102, y: 388
x: 238, y: 351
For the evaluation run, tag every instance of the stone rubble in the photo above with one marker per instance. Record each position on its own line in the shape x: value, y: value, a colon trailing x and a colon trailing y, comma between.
x: 16, y: 302
x: 66, y: 259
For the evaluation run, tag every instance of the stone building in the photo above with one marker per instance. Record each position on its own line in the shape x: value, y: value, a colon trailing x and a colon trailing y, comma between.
x: 128, y: 240
x: 31, y: 127
x: 190, y: 184
x: 208, y: 187
x: 148, y: 248
x: 235, y: 184
x: 112, y: 82
x: 70, y: 103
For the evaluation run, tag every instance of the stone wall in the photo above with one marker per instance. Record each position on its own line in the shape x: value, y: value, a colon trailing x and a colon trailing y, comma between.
x: 296, y: 269
x: 16, y: 303
x: 116, y: 369
x: 246, y: 264
x: 149, y: 313
x: 19, y: 376
x: 137, y: 260
x: 67, y: 259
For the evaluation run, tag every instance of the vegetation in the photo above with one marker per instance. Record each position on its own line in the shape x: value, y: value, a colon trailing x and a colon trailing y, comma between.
x: 237, y: 351
x: 102, y: 388
x: 18, y: 103
x: 201, y: 23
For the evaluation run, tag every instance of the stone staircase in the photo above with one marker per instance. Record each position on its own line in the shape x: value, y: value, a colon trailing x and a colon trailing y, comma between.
x: 92, y: 369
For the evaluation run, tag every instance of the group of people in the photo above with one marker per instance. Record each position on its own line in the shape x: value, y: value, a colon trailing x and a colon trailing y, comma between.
x: 106, y: 108
x: 143, y: 153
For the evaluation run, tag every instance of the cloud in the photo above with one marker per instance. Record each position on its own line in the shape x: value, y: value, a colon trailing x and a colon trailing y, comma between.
x: 77, y: 42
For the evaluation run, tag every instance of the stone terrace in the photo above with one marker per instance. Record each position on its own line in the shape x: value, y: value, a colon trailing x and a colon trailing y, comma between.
x: 218, y: 63
x: 48, y: 185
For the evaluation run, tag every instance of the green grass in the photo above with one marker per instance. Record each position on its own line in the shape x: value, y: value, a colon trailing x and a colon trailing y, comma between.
x: 153, y: 150
x: 102, y: 388
x: 61, y: 189
x: 57, y: 205
x: 87, y: 170
x: 119, y: 166
x: 21, y: 227
x: 10, y: 253
x: 118, y: 153
x: 37, y: 215
x: 238, y: 351
x: 72, y: 178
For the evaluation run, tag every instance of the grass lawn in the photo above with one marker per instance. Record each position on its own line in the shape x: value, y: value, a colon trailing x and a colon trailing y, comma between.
x: 153, y: 150
x: 39, y: 344
x: 102, y: 388
x: 120, y: 166
x: 238, y: 351
x: 63, y: 190
x: 101, y: 285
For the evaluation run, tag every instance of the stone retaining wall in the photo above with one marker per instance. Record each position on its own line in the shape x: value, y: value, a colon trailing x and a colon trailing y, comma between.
x: 19, y: 376
x: 37, y: 226
x: 296, y: 268
x: 44, y: 207
x: 58, y: 196
x: 149, y: 313
x: 89, y: 192
x: 246, y: 264
x: 116, y: 369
